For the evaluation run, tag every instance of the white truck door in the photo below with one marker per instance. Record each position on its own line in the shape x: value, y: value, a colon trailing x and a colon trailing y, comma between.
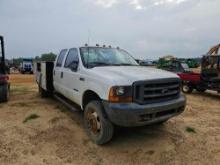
x: 71, y: 76
x: 58, y: 72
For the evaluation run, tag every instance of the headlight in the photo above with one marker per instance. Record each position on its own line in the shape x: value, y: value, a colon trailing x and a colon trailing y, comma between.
x: 120, y: 91
x: 120, y: 94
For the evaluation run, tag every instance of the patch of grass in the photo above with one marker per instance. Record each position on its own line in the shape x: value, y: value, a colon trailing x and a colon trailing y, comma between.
x: 190, y: 130
x: 30, y: 117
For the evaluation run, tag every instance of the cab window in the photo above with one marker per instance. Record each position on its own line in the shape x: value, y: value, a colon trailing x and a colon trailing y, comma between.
x: 61, y: 57
x: 72, y: 57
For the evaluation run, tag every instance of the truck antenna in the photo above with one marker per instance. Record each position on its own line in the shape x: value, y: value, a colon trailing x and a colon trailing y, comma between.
x: 88, y: 48
x: 88, y: 36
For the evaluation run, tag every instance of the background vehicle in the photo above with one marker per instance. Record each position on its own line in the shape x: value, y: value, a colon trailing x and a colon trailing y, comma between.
x: 190, y: 80
x: 26, y: 66
x: 208, y: 78
x: 167, y: 60
x: 174, y: 66
x: 111, y: 89
x: 163, y: 62
x: 4, y: 84
x: 147, y: 62
x: 191, y: 62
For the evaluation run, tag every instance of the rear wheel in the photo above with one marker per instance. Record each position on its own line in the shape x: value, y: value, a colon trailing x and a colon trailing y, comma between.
x: 4, y: 93
x: 98, y: 127
x: 187, y: 88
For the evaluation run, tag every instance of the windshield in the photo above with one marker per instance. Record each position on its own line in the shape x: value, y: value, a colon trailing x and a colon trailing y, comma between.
x: 185, y: 66
x: 95, y: 56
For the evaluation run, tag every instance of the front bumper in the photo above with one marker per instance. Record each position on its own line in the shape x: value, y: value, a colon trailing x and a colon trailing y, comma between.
x: 133, y: 114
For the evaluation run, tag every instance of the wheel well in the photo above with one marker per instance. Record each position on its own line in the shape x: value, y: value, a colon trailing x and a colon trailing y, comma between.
x: 89, y: 96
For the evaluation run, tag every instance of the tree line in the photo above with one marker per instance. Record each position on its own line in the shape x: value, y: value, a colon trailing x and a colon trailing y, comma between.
x: 44, y: 57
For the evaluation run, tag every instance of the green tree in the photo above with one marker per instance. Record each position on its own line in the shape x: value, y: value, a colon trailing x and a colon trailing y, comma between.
x: 48, y: 57
x: 37, y: 58
x: 16, y: 62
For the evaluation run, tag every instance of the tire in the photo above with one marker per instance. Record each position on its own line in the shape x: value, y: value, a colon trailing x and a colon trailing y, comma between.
x: 186, y: 88
x: 4, y: 93
x: 99, y: 129
x: 42, y: 92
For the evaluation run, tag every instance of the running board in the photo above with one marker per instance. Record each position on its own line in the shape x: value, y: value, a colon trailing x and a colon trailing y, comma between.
x: 66, y: 103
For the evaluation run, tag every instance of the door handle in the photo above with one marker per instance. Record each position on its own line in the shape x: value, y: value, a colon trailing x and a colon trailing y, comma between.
x: 82, y: 79
x: 61, y: 75
x: 54, y: 72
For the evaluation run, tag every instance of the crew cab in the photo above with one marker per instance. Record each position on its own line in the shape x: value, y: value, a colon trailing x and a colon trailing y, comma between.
x: 111, y: 88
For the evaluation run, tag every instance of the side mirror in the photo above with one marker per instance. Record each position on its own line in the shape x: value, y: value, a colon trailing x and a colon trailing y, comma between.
x: 74, y: 65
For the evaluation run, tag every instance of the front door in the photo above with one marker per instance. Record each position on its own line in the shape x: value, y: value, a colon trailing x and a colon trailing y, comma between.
x: 71, y: 76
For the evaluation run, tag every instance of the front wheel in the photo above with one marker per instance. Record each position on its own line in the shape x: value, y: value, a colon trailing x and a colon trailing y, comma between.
x: 186, y: 88
x: 98, y: 127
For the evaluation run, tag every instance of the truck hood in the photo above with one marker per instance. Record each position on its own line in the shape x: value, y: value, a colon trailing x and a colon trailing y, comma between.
x: 126, y: 75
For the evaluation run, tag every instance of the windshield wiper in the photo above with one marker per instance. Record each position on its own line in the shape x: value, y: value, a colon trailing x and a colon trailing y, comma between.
x: 126, y: 64
x: 93, y: 64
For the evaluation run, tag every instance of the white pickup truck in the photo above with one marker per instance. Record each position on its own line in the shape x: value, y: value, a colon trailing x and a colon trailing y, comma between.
x: 111, y: 89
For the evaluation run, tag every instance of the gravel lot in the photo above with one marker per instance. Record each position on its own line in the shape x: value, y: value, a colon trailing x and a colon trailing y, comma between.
x: 56, y: 136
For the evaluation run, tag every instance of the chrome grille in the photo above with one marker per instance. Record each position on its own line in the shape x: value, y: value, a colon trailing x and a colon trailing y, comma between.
x: 153, y: 91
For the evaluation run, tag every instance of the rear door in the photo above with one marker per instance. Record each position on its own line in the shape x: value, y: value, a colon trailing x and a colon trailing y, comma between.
x: 71, y: 75
x: 58, y: 72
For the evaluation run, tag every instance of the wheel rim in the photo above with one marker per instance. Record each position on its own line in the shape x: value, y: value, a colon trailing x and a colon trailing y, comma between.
x: 93, y: 122
x: 185, y: 88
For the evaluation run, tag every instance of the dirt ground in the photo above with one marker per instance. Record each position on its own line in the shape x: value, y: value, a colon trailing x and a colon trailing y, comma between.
x: 57, y: 136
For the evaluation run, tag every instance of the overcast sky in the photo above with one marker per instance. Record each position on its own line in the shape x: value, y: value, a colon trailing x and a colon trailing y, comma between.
x: 146, y: 28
